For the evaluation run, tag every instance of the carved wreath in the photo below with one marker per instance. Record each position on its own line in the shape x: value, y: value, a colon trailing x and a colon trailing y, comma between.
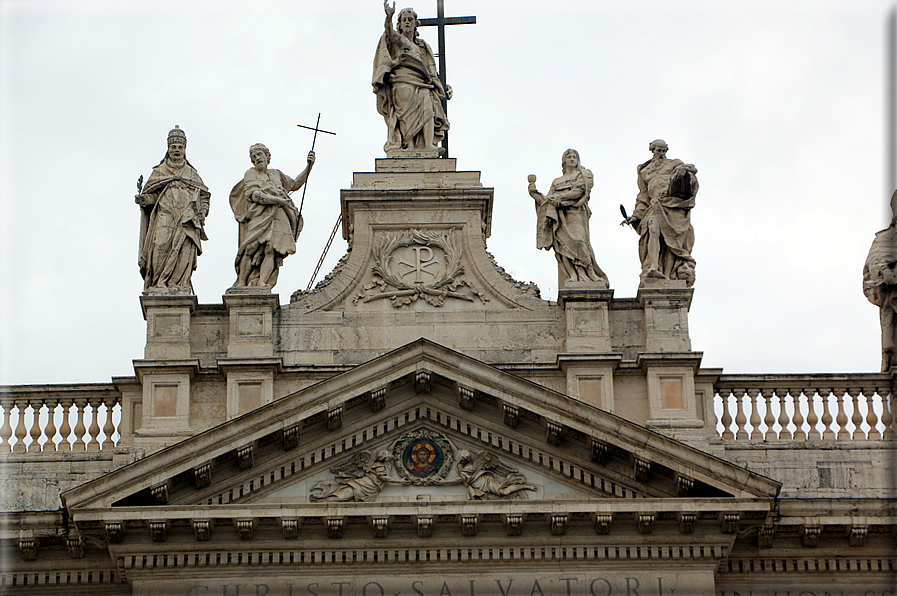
x: 387, y: 284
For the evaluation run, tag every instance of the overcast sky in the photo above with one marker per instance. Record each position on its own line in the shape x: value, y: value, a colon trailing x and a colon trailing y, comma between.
x: 780, y: 105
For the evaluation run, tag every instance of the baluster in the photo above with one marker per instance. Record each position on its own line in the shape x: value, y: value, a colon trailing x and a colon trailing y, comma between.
x: 740, y: 415
x: 726, y: 418
x: 80, y: 405
x: 50, y: 445
x: 856, y: 418
x: 66, y: 429
x: 109, y: 426
x: 887, y: 418
x: 94, y: 444
x: 35, y: 433
x: 798, y: 417
x: 6, y: 429
x: 871, y: 416
x: 756, y: 435
x: 785, y: 433
x: 21, y: 433
x: 812, y: 418
x: 828, y: 433
x: 841, y: 418
x: 769, y: 420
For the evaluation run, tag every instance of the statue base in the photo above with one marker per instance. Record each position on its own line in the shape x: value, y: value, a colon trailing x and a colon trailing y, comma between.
x: 248, y: 290
x: 413, y: 153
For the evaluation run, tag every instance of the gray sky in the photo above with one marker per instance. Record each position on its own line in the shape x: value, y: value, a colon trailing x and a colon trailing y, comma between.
x: 778, y: 104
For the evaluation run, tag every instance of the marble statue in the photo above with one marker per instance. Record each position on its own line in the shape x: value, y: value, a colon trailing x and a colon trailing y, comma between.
x: 269, y: 220
x: 173, y: 204
x: 409, y: 92
x: 562, y: 221
x: 359, y: 479
x: 880, y: 285
x: 486, y: 478
x: 662, y: 216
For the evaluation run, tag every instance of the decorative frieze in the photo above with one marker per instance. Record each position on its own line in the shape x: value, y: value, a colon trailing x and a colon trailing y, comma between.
x: 378, y: 399
x: 159, y: 531
x: 244, y: 528
x: 379, y: 526
x: 202, y: 530
x: 334, y: 418
x: 553, y: 432
x: 511, y: 415
x: 202, y: 475
x: 645, y: 523
x: 558, y: 524
x: 465, y: 398
x: 245, y: 457
x: 291, y: 437
x: 514, y: 524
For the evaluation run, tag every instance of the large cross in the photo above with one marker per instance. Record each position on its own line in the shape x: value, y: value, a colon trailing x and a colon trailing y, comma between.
x: 440, y: 21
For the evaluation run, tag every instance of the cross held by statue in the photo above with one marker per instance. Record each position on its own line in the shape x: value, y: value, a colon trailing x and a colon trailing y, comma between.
x: 440, y: 22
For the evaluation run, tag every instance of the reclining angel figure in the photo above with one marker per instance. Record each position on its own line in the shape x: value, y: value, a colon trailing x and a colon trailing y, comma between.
x: 360, y: 479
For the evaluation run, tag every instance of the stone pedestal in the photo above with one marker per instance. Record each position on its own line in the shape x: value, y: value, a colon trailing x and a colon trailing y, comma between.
x: 251, y: 323
x: 666, y: 305
x: 590, y: 377
x: 250, y: 383
x: 166, y: 401
x: 586, y: 308
x: 673, y: 407
x: 167, y: 326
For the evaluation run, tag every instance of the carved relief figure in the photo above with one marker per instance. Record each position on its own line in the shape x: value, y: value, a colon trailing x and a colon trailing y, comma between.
x: 880, y: 285
x: 173, y: 207
x: 359, y: 479
x: 662, y: 216
x: 268, y: 218
x: 409, y: 92
x: 486, y: 478
x: 563, y: 221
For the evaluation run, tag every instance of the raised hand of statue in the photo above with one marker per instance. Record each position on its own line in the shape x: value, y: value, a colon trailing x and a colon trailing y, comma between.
x: 143, y: 200
x: 448, y: 91
x: 390, y: 10
x: 310, y: 159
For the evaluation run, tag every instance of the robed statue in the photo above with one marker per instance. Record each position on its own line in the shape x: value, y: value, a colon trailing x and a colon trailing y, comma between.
x: 662, y: 216
x: 562, y: 221
x: 269, y: 220
x: 880, y: 285
x: 173, y: 204
x: 409, y: 92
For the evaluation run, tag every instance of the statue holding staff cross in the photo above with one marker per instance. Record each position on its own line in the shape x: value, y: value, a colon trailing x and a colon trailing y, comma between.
x: 409, y: 91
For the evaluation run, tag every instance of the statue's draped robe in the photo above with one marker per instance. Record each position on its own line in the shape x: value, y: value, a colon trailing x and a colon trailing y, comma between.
x: 171, y: 228
x: 263, y: 224
x: 565, y: 229
x: 883, y: 256
x: 409, y: 92
x: 671, y: 205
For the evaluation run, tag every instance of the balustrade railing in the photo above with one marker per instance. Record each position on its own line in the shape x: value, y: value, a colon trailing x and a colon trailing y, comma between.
x: 853, y: 407
x: 54, y: 421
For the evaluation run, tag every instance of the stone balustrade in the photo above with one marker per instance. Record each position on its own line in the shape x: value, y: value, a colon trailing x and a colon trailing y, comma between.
x: 786, y: 407
x: 59, y: 418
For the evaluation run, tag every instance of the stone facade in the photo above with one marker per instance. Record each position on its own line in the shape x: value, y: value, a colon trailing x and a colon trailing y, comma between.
x: 576, y: 446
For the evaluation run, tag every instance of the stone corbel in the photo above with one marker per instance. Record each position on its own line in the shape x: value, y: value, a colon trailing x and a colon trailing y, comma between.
x: 335, y: 527
x: 511, y: 415
x: 160, y: 493
x: 244, y: 529
x: 202, y: 530
x: 765, y: 535
x: 379, y: 526
x: 28, y: 546
x: 468, y: 525
x: 75, y: 546
x: 422, y: 381
x: 514, y: 524
x: 558, y: 524
x: 645, y: 523
x: 685, y: 485
x: 334, y: 418
x: 159, y: 531
x: 378, y: 399
x: 641, y: 468
x: 424, y: 526
x: 810, y: 536
x: 602, y: 523
x: 115, y: 533
x: 291, y: 437
x: 599, y: 451
x: 245, y: 457
x: 553, y: 433
x: 465, y: 397
x: 729, y: 522
x: 289, y: 528
x: 202, y: 475
x: 857, y: 535
x: 687, y: 523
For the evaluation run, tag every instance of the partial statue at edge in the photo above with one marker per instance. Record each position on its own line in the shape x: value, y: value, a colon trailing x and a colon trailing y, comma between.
x: 173, y: 208
x: 409, y: 91
x: 662, y: 216
x: 563, y: 221
x: 269, y: 220
x: 880, y: 285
